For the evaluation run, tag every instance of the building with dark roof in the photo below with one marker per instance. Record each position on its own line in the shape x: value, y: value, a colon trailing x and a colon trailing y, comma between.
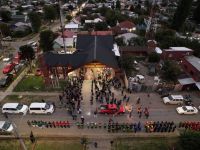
x: 92, y: 51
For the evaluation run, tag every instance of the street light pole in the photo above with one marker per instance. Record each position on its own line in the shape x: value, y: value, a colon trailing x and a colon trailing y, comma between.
x: 61, y: 25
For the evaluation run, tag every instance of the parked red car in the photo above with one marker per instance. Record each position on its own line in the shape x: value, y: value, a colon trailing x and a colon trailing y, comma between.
x: 111, y: 109
x: 8, y: 68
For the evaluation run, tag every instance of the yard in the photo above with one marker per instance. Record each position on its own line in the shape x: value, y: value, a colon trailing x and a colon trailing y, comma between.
x: 36, y: 83
x: 147, y: 144
x: 30, y: 83
x: 41, y: 145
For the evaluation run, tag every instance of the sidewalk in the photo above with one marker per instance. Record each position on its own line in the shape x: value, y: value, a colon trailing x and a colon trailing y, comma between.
x: 13, y: 85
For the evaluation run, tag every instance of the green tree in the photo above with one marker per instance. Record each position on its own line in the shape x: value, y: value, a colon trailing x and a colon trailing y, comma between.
x: 50, y: 13
x: 118, y: 5
x: 5, y: 15
x: 137, y: 41
x: 5, y: 29
x: 68, y: 17
x: 181, y: 14
x: 170, y: 71
x: 196, y: 15
x: 101, y: 26
x: 46, y: 40
x: 190, y: 140
x: 28, y: 54
x: 154, y: 58
x: 126, y: 63
x: 120, y: 41
x: 35, y: 21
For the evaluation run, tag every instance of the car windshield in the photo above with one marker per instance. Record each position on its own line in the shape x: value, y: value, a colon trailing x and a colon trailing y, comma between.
x: 47, y: 106
x: 19, y: 106
x: 6, y: 125
x: 184, y: 108
x: 103, y: 107
x: 170, y: 97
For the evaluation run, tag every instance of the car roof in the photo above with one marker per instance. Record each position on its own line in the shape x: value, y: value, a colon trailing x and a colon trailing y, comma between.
x: 37, y: 104
x: 10, y: 105
x: 1, y: 124
x: 112, y: 106
x: 177, y: 96
x: 189, y: 107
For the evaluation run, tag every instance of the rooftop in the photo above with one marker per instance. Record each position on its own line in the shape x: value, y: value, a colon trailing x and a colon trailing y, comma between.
x: 194, y: 61
x: 178, y: 49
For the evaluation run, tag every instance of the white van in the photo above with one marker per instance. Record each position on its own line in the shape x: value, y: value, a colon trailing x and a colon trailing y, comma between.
x: 5, y: 126
x: 14, y: 108
x: 41, y: 108
x: 173, y: 99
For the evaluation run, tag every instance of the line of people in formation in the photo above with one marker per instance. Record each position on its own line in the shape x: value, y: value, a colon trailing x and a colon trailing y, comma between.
x: 152, y: 126
x: 190, y: 125
x: 49, y: 124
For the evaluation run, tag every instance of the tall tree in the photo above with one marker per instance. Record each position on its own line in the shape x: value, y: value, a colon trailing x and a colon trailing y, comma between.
x: 35, y: 21
x: 154, y: 57
x: 118, y: 5
x: 5, y: 15
x: 46, y: 40
x: 50, y: 13
x: 27, y: 53
x: 170, y: 71
x: 181, y: 14
x: 196, y: 15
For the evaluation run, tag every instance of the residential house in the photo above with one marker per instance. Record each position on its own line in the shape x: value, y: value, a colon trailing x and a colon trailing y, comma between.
x: 176, y: 53
x: 134, y: 50
x: 191, y: 66
x: 69, y: 40
x: 72, y: 26
x: 127, y: 37
x: 124, y: 27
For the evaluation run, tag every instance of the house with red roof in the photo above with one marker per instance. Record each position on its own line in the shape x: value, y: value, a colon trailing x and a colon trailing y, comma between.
x: 124, y: 27
x: 69, y: 40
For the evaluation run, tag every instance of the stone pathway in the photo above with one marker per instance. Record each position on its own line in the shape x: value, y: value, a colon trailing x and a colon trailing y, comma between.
x: 86, y: 91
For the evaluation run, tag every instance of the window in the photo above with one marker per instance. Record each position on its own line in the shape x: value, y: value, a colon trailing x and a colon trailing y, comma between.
x: 34, y: 108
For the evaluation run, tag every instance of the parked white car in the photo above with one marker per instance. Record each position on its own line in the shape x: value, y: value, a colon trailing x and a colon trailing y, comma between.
x: 41, y: 108
x: 14, y: 108
x: 6, y: 126
x: 188, y: 110
x: 173, y: 99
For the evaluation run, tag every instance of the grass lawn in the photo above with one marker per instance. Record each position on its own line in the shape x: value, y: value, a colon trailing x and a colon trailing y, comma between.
x: 30, y: 83
x: 13, y: 145
x: 58, y: 145
x: 41, y: 145
x: 36, y: 83
x: 147, y: 144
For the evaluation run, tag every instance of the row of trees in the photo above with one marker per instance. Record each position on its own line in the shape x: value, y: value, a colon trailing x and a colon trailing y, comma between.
x: 183, y: 11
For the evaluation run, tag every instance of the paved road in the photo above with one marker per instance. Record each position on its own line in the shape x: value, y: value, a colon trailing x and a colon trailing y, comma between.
x: 158, y: 112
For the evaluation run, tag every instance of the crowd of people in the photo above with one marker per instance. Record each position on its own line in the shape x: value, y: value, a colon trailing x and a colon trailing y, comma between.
x: 48, y: 124
x: 71, y: 97
x: 190, y: 125
x: 152, y: 126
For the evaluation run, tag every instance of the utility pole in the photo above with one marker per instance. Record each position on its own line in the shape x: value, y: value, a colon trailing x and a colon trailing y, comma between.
x: 61, y: 25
